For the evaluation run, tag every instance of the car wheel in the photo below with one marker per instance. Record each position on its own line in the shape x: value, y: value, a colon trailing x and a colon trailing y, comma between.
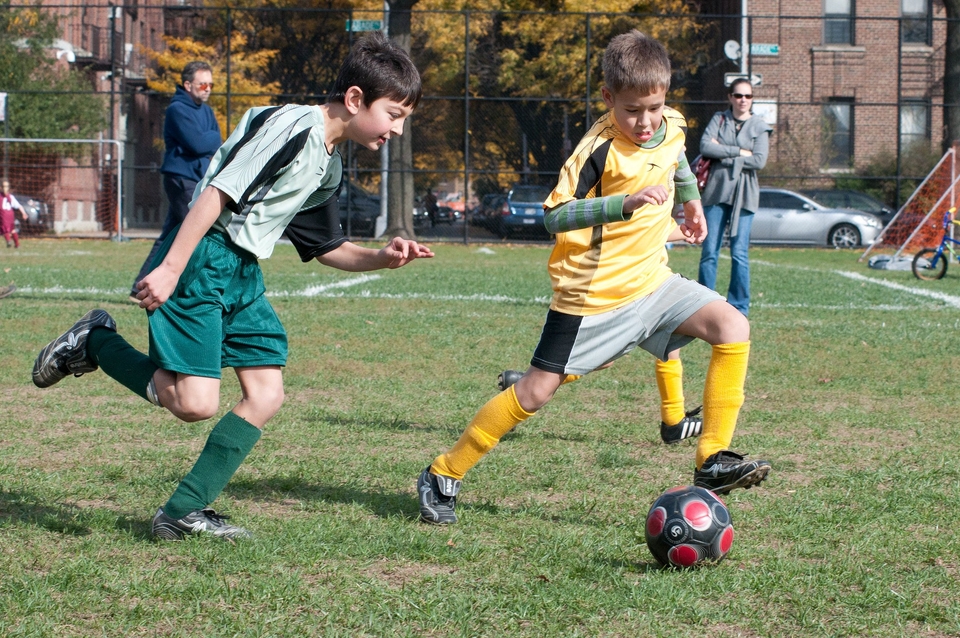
x: 844, y: 236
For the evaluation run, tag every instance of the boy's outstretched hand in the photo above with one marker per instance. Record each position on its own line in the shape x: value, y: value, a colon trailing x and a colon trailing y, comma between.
x: 400, y: 252
x: 694, y: 226
x: 649, y: 195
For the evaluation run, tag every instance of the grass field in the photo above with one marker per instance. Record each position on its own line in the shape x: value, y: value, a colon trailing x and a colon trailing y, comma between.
x: 851, y: 395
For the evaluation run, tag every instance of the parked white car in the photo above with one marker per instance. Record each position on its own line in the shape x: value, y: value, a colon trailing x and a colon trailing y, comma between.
x: 789, y: 218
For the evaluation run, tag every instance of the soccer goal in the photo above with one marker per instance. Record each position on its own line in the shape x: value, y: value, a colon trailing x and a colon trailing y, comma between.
x: 66, y: 186
x: 918, y: 222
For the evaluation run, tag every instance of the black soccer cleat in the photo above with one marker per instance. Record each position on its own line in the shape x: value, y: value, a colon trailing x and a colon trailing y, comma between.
x: 507, y: 378
x: 67, y: 354
x: 690, y: 426
x: 204, y: 521
x: 438, y: 498
x: 726, y: 470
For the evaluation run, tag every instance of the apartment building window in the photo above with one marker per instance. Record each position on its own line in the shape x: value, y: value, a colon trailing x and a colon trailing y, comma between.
x: 836, y: 147
x: 914, y: 124
x: 916, y: 25
x: 838, y: 21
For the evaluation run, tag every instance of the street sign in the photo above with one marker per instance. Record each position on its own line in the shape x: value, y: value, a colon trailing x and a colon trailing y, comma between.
x: 767, y: 109
x: 731, y: 49
x: 764, y: 49
x: 364, y: 25
x: 756, y: 79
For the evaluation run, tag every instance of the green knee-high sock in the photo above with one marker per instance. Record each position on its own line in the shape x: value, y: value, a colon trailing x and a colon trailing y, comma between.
x: 227, y: 446
x: 121, y: 361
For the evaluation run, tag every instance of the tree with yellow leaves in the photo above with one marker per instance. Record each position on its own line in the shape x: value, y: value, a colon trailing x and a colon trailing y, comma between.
x: 534, y: 71
x: 246, y: 67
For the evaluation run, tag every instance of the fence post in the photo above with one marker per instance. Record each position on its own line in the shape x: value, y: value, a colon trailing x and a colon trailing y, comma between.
x: 119, y: 235
x: 466, y: 123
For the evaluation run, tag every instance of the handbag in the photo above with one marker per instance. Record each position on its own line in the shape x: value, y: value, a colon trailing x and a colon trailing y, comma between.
x: 701, y: 165
x: 701, y: 168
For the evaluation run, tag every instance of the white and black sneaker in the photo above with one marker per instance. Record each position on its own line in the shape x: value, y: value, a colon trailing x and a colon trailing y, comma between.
x: 690, y: 426
x: 438, y: 497
x: 67, y: 354
x: 507, y: 378
x: 726, y: 470
x: 204, y: 521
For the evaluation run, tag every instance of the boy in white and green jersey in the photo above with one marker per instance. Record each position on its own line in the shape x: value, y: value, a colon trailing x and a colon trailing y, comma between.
x: 277, y: 174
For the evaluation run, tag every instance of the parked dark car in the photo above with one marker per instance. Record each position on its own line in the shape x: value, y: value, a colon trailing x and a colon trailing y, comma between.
x: 421, y: 219
x: 447, y: 215
x: 522, y: 212
x: 786, y: 217
x: 841, y: 198
x: 362, y: 207
x: 487, y: 213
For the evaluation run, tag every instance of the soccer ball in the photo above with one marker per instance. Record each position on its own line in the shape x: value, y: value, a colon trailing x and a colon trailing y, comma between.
x: 688, y: 526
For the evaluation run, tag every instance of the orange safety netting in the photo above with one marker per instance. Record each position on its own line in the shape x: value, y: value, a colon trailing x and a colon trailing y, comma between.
x: 919, y: 224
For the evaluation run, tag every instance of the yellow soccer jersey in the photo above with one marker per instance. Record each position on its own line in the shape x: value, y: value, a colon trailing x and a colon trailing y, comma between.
x: 599, y: 268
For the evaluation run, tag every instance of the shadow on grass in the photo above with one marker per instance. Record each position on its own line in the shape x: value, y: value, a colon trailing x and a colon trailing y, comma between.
x: 373, y: 423
x: 380, y: 503
x: 17, y: 507
x: 635, y: 566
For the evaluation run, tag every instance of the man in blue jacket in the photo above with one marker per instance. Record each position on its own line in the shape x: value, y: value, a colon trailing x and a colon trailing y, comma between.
x: 191, y: 135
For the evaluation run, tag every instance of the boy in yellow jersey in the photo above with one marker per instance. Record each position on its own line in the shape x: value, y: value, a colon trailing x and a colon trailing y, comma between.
x: 613, y: 290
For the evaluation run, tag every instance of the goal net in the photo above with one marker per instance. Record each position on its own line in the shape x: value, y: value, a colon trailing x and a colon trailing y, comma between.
x: 919, y: 222
x: 64, y: 185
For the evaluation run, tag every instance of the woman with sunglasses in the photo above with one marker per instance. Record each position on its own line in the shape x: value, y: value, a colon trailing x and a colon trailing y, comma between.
x: 738, y: 142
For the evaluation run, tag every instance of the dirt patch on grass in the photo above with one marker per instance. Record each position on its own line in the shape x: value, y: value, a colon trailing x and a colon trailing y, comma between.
x: 397, y: 575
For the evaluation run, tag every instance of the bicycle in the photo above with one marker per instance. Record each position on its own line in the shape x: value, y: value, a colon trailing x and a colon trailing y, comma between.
x: 930, y: 263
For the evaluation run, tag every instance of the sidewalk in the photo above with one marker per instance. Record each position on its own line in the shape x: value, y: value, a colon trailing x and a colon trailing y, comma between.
x: 139, y: 234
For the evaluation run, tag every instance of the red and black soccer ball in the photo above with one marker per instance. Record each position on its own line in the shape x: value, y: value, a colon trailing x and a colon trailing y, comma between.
x: 688, y: 526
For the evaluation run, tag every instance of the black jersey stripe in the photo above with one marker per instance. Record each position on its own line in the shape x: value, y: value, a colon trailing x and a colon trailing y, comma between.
x: 255, y: 125
x: 270, y: 172
x: 592, y: 171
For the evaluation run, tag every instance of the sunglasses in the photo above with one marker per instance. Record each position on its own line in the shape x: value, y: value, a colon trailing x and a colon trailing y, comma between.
x: 740, y: 96
x: 203, y: 86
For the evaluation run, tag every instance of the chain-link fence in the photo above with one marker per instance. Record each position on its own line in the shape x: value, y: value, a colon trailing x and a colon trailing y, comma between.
x: 855, y: 103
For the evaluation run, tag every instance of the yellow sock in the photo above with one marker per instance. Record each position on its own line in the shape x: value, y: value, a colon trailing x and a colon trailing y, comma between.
x: 570, y: 378
x: 670, y: 384
x: 722, y: 397
x: 497, y: 417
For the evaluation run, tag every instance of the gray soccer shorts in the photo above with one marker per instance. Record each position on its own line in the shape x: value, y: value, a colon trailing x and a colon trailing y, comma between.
x: 571, y: 344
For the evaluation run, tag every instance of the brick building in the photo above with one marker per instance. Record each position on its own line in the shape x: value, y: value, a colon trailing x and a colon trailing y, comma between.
x: 843, y: 80
x: 108, y: 43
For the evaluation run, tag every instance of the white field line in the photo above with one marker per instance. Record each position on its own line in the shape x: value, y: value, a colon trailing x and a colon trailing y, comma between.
x: 950, y: 300
x: 322, y: 289
x: 337, y: 289
x: 331, y: 290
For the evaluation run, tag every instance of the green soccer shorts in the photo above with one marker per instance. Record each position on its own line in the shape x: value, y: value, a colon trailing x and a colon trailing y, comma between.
x: 218, y: 316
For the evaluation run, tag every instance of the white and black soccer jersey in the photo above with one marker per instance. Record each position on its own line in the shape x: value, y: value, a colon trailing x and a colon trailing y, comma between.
x: 604, y: 259
x: 280, y: 178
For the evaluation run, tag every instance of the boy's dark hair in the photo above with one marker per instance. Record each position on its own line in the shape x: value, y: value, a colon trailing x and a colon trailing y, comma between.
x: 636, y: 61
x: 379, y: 68
x: 190, y: 70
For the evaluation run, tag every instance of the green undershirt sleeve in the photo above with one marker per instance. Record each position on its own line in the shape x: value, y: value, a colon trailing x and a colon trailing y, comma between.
x: 584, y: 213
